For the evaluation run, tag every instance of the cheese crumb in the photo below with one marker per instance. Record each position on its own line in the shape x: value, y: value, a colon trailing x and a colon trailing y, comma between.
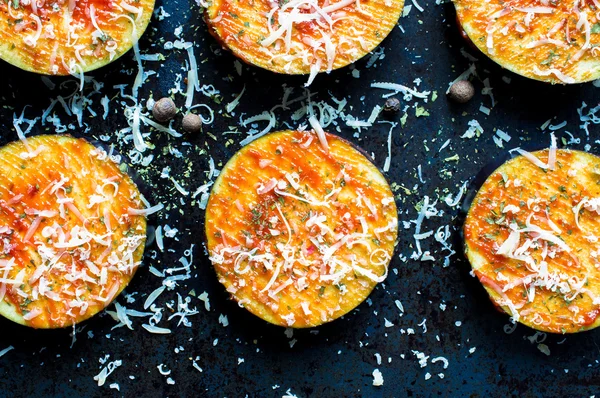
x: 377, y: 378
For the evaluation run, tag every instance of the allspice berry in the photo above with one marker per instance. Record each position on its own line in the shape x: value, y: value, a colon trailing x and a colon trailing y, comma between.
x: 461, y: 91
x: 192, y: 123
x: 392, y: 105
x: 164, y: 110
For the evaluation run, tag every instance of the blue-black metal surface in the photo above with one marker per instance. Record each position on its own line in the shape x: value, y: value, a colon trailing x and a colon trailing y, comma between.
x: 336, y: 359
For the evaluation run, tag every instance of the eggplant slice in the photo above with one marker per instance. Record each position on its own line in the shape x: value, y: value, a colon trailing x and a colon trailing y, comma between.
x: 551, y: 41
x: 532, y: 238
x: 302, y: 36
x: 72, y: 231
x: 300, y: 229
x: 55, y: 37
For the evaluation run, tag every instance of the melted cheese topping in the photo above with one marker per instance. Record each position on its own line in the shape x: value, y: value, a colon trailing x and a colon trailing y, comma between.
x: 553, y: 41
x: 68, y: 243
x: 302, y: 36
x: 69, y: 37
x: 300, y: 232
x: 532, y: 237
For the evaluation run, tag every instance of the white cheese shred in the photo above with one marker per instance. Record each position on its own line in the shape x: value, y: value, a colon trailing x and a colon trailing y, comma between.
x: 6, y: 350
x: 106, y: 371
x: 320, y: 133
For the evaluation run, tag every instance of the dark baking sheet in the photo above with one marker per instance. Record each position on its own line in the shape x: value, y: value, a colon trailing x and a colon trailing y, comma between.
x: 337, y: 359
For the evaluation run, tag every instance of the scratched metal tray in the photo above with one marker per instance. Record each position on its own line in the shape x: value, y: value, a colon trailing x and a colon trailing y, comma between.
x: 250, y: 357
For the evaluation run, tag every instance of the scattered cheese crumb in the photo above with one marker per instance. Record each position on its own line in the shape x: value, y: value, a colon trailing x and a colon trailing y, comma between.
x: 377, y: 378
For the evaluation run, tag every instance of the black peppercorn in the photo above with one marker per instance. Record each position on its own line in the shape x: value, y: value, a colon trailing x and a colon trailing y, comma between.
x: 192, y: 123
x: 392, y: 105
x: 461, y: 91
x: 164, y: 110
